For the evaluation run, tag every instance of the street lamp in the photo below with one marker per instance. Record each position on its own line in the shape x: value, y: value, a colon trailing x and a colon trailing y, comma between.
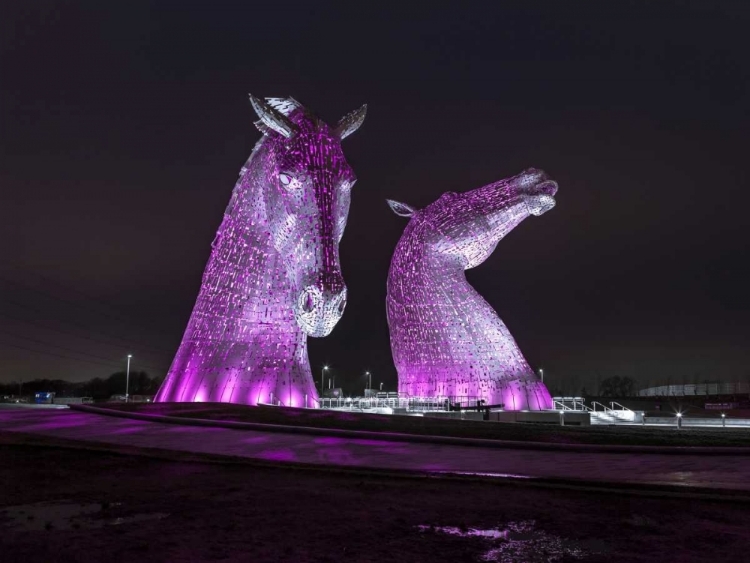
x: 541, y: 374
x: 127, y: 379
x: 369, y: 379
x: 322, y: 378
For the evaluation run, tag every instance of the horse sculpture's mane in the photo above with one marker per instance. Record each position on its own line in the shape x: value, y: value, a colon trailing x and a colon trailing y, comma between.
x: 447, y: 341
x: 273, y: 277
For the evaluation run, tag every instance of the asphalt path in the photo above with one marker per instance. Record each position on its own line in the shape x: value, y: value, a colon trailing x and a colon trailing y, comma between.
x: 702, y: 471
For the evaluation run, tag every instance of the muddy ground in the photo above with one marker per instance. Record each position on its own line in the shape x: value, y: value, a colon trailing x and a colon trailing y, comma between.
x: 179, y: 508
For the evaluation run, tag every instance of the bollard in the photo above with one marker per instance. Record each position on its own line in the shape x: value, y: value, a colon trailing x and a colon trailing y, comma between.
x: 723, y: 420
x: 562, y: 418
x: 305, y: 400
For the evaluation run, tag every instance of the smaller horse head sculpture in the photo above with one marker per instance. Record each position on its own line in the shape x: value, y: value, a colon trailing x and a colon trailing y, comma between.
x: 306, y: 200
x: 465, y: 228
x: 446, y: 339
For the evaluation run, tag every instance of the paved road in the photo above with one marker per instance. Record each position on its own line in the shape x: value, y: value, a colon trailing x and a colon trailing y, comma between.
x: 719, y: 472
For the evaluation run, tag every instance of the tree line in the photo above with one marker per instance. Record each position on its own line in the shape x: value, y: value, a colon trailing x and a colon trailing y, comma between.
x: 141, y: 383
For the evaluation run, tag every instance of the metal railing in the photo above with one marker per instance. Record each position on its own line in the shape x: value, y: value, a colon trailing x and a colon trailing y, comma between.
x: 626, y: 409
x: 688, y: 390
x: 310, y: 402
x: 273, y: 401
x: 612, y: 413
x: 570, y: 404
x: 401, y: 401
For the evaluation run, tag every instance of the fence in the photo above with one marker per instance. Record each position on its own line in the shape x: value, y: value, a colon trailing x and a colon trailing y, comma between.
x: 688, y: 390
x: 398, y: 401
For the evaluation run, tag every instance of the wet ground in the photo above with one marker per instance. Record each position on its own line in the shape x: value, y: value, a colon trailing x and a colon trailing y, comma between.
x: 60, y: 504
x: 717, y: 472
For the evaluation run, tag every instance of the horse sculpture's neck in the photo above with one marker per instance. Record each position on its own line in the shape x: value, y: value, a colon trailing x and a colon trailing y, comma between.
x: 462, y: 333
x: 258, y: 280
x: 243, y: 322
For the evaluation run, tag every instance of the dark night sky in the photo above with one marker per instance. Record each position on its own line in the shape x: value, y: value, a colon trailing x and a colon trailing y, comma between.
x: 123, y: 129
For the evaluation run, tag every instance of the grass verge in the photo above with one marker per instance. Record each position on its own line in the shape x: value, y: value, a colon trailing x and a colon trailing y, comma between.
x: 629, y: 435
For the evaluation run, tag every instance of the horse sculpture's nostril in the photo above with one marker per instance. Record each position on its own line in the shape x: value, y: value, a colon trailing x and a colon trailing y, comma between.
x: 548, y: 187
x: 308, y: 303
x: 342, y: 305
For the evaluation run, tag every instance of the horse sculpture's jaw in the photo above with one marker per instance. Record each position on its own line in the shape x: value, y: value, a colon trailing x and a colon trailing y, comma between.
x: 541, y: 198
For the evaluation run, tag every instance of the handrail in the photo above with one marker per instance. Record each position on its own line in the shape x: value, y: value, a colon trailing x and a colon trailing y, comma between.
x: 621, y: 406
x: 604, y: 407
x: 614, y: 413
x: 578, y: 403
x: 562, y: 406
x: 307, y: 399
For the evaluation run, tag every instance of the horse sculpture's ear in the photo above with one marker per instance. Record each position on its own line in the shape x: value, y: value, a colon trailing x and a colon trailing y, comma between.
x: 350, y: 122
x: 401, y: 209
x: 272, y: 119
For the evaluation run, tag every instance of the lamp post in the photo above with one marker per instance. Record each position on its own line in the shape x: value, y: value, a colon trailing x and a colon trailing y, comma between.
x: 541, y: 374
x: 322, y: 378
x: 369, y: 380
x: 127, y: 380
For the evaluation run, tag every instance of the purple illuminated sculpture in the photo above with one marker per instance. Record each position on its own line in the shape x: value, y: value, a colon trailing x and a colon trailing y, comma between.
x: 273, y: 277
x: 447, y: 341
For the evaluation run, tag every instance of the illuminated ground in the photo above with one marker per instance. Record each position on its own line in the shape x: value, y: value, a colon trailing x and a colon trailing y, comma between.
x: 182, y: 509
x: 710, y: 471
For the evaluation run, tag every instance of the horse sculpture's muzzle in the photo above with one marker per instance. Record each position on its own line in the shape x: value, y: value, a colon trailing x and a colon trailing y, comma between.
x: 318, y: 308
x: 540, y: 197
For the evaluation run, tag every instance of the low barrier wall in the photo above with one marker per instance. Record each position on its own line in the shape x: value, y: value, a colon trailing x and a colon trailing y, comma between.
x: 572, y: 418
x: 687, y: 421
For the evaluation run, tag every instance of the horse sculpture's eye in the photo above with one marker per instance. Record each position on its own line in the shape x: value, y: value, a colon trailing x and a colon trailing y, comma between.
x: 285, y: 179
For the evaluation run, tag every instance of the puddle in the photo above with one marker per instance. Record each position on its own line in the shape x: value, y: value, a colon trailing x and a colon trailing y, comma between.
x: 522, y: 542
x: 67, y: 515
x: 495, y: 475
x: 138, y: 518
x: 469, y: 532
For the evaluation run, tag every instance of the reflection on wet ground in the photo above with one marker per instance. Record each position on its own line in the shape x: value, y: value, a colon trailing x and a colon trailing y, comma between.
x: 522, y: 541
x: 69, y: 515
x: 731, y: 472
x: 485, y: 474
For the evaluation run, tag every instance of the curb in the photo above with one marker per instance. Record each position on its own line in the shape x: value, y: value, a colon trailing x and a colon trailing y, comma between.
x: 419, y: 438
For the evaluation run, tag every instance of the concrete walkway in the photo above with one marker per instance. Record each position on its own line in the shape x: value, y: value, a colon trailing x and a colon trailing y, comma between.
x: 716, y: 472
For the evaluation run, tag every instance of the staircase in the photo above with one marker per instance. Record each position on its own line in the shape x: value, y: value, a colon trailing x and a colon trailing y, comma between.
x: 600, y: 414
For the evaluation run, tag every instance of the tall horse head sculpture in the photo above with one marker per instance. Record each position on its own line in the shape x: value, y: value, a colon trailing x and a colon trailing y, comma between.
x: 274, y: 275
x: 447, y: 341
